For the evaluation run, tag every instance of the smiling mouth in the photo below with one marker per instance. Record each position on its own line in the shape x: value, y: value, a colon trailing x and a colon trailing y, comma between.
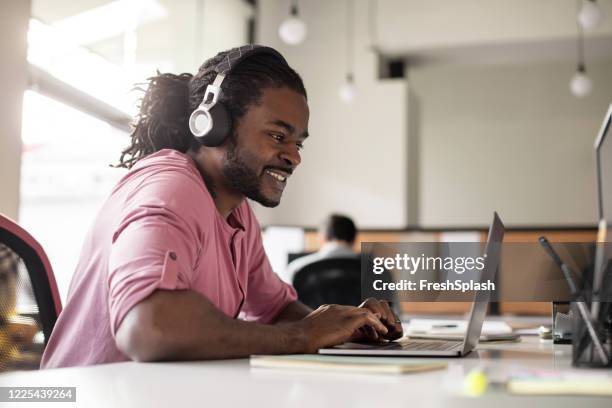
x: 277, y: 175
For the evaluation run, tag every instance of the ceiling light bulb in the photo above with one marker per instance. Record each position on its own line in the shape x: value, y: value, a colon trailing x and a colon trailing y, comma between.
x: 347, y: 91
x: 581, y: 85
x: 590, y: 15
x: 293, y: 30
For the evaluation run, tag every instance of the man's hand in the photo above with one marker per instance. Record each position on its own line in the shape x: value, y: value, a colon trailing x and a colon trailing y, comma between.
x: 381, y: 309
x: 331, y: 325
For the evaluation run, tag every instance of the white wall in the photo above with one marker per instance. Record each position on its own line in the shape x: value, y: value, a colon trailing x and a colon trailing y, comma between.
x: 13, y: 82
x: 509, y: 138
x: 355, y: 159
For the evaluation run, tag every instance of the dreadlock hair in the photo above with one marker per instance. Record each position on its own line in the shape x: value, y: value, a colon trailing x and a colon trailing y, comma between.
x: 163, y: 120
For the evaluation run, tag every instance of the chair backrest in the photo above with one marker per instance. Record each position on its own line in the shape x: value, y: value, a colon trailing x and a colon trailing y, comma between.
x: 327, y: 281
x: 29, y: 299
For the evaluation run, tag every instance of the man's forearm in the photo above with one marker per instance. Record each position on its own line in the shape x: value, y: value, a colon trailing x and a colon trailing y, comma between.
x: 293, y: 312
x: 184, y: 325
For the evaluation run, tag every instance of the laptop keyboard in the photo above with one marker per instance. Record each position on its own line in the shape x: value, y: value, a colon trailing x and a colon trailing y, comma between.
x: 406, y: 344
x: 429, y: 345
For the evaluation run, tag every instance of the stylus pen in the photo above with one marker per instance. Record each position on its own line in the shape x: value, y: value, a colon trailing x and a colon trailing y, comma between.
x: 567, y: 272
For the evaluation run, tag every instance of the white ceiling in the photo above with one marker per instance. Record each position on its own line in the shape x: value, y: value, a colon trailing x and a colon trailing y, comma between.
x: 488, y: 30
x: 425, y: 31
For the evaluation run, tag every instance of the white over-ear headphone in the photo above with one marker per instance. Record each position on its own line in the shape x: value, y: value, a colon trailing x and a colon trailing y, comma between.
x: 211, y: 122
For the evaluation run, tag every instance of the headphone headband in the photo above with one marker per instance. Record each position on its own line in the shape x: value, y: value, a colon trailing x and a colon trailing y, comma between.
x: 234, y: 56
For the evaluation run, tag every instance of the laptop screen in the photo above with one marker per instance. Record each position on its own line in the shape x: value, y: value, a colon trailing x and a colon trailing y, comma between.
x: 603, y: 152
x: 481, y: 299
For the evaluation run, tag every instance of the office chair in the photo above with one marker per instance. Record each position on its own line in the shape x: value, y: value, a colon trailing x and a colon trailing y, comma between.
x: 333, y: 280
x: 29, y: 299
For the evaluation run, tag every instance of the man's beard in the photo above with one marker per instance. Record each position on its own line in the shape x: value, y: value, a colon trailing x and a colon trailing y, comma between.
x: 241, y: 177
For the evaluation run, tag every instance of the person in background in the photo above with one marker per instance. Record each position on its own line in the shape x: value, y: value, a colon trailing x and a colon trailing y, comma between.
x: 337, y: 236
x: 173, y: 267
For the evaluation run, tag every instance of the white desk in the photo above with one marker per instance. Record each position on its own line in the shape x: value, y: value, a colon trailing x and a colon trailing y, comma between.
x: 233, y: 383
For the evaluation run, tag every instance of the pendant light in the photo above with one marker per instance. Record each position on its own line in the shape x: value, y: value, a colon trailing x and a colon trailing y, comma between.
x: 580, y: 84
x: 293, y: 30
x: 590, y: 14
x: 347, y: 91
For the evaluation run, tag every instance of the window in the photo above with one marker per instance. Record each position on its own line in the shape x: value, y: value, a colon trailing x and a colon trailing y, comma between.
x: 65, y: 176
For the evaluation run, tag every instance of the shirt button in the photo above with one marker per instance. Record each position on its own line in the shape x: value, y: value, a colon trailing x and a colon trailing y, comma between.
x: 172, y: 255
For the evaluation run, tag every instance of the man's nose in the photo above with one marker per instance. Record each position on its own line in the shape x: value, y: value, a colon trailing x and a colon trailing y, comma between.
x: 291, y: 155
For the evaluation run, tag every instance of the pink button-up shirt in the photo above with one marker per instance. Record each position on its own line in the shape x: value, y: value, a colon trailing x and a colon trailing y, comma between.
x: 160, y: 229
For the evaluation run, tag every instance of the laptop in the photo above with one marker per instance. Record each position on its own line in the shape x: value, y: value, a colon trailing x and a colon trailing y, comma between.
x: 439, y: 348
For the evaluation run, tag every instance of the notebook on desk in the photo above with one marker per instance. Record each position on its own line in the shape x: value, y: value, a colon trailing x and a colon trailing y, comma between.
x: 346, y: 363
x: 566, y: 382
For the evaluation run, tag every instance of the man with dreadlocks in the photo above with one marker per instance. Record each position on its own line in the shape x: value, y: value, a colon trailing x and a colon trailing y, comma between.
x: 173, y: 266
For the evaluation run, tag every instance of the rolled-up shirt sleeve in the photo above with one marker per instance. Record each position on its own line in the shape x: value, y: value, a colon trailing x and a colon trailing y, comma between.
x: 268, y: 295
x: 153, y: 248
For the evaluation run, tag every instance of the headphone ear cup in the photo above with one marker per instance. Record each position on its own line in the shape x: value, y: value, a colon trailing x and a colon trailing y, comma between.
x: 221, y: 126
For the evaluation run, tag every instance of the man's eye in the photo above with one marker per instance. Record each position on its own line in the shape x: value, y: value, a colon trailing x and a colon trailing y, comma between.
x: 277, y: 137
